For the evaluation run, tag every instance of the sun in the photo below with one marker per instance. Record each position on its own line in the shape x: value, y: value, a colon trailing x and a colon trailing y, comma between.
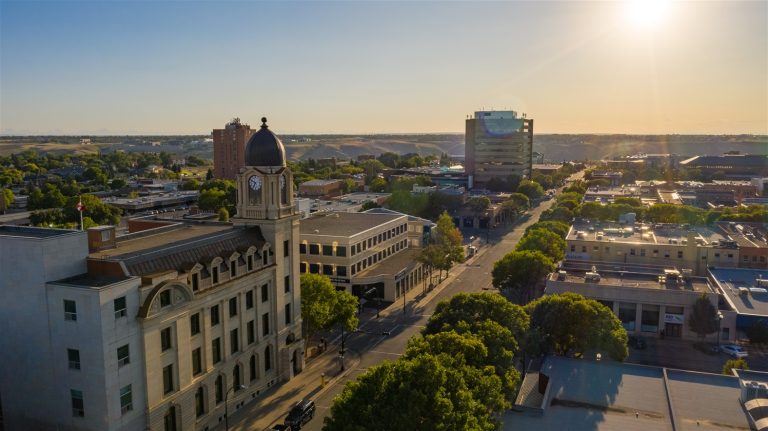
x: 647, y: 14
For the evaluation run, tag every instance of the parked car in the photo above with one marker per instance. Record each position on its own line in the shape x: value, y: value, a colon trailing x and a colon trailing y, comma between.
x: 282, y: 427
x: 734, y: 351
x: 300, y: 414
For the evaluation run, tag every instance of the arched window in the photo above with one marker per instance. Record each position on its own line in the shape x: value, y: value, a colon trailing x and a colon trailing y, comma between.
x: 284, y: 189
x: 199, y: 402
x: 268, y: 358
x: 219, y: 389
x: 254, y: 365
x: 236, y: 382
x: 169, y: 420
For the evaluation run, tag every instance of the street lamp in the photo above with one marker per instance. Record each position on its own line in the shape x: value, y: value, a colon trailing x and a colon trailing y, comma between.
x: 226, y: 406
x: 719, y: 322
x: 341, y: 351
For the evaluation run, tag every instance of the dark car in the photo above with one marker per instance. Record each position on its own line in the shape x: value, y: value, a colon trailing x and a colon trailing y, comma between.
x: 282, y: 427
x: 300, y: 414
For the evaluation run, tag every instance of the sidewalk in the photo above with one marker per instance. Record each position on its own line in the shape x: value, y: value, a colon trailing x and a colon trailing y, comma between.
x: 273, y: 405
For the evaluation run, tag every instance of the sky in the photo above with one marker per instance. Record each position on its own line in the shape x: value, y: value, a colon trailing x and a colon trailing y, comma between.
x: 170, y: 67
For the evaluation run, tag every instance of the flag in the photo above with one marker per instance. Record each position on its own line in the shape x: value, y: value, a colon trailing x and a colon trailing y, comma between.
x: 80, y: 207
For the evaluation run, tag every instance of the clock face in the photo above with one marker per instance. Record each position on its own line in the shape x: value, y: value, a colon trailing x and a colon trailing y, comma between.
x: 282, y: 182
x: 254, y: 182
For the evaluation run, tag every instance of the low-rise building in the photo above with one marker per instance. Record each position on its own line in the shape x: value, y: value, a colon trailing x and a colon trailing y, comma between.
x: 364, y: 251
x: 321, y: 188
x: 752, y: 240
x: 746, y: 293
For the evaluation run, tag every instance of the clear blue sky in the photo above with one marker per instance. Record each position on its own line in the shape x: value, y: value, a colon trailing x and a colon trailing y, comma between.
x: 103, y: 67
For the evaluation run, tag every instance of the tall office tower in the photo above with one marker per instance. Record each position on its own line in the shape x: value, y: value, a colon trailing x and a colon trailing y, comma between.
x: 498, y: 144
x: 229, y: 148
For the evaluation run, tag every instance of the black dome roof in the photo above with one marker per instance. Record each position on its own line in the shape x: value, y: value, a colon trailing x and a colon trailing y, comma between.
x: 264, y: 148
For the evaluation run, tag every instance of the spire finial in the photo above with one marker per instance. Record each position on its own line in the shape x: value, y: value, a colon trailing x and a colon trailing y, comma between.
x: 264, y: 122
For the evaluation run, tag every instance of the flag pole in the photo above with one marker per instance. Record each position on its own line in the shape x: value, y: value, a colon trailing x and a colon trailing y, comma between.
x: 80, y: 210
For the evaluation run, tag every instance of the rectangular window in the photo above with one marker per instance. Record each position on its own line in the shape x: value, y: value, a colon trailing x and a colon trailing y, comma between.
x: 74, y: 359
x: 214, y: 315
x: 120, y: 307
x: 194, y: 324
x: 327, y: 250
x: 195, y: 282
x: 265, y: 324
x: 165, y: 298
x: 165, y: 339
x: 249, y: 299
x: 287, y: 285
x: 215, y: 275
x: 286, y: 248
x: 631, y: 251
x: 287, y: 314
x: 232, y: 307
x: 303, y: 267
x: 199, y: 402
x: 250, y: 262
x: 126, y: 399
x: 642, y: 252
x: 250, y: 332
x: 265, y: 258
x: 341, y: 251
x: 314, y: 249
x: 328, y: 269
x: 70, y: 310
x: 168, y: 379
x: 234, y: 341
x: 216, y: 350
x: 197, y: 361
x: 78, y: 409
x: 341, y: 271
x: 123, y: 355
x: 314, y: 268
x: 302, y: 248
x: 679, y: 254
x: 354, y: 271
x: 233, y: 269
x: 264, y: 293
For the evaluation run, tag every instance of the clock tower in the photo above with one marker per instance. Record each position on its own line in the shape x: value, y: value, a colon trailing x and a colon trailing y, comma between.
x: 265, y: 199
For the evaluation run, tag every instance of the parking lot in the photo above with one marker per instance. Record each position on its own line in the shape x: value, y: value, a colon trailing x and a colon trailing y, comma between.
x: 676, y: 353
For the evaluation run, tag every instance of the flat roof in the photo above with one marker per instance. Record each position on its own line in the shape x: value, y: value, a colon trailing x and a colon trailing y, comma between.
x: 605, y: 395
x: 344, y: 223
x: 392, y: 265
x: 745, y: 234
x: 731, y: 279
x: 33, y: 232
x: 634, y: 234
x: 630, y: 276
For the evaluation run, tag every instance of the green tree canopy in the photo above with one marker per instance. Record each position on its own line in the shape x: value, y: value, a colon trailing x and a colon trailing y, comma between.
x: 323, y: 307
x: 545, y: 241
x: 703, y: 318
x: 570, y: 323
x: 734, y: 364
x: 557, y: 227
x: 478, y: 204
x: 532, y: 189
x: 517, y: 273
x: 7, y: 196
x: 223, y: 214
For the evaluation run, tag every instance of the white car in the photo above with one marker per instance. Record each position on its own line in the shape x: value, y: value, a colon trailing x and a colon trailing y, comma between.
x: 734, y: 351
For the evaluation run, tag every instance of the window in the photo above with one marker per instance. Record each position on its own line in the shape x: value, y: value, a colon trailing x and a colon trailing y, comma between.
x: 265, y: 324
x: 287, y: 314
x: 232, y: 307
x: 341, y: 271
x: 642, y: 252
x: 219, y: 389
x: 234, y: 341
x: 120, y: 307
x: 679, y: 254
x: 314, y: 249
x: 249, y: 299
x: 199, y: 402
x: 73, y: 355
x: 195, y: 282
x: 169, y: 420
x: 126, y: 399
x: 214, y: 315
x: 286, y: 248
x: 327, y: 250
x: 197, y: 361
x: 267, y: 358
x: 216, y: 350
x: 165, y: 339
x: 168, y: 379
x: 302, y: 248
x: 78, y: 409
x: 250, y: 262
x: 70, y: 310
x: 631, y: 251
x: 236, y: 382
x: 287, y: 285
x: 264, y: 293
x: 194, y: 324
x: 314, y: 268
x: 165, y: 298
x: 746, y: 259
x: 252, y: 367
x: 233, y: 269
x: 250, y: 331
x: 341, y: 251
x: 328, y: 269
x: 215, y: 275
x: 303, y: 267
x: 265, y: 258
x: 123, y: 356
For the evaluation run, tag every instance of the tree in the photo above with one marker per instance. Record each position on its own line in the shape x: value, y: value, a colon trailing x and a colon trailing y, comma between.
x: 549, y: 243
x: 478, y: 204
x: 323, y: 307
x: 223, y: 214
x: 7, y: 196
x: 100, y: 212
x: 117, y: 184
x: 190, y: 184
x: 372, y: 169
x: 734, y: 364
x: 557, y: 227
x: 532, y: 189
x: 703, y: 318
x: 209, y: 174
x: 378, y: 185
x: 569, y: 323
x: 517, y: 274
x: 449, y: 239
x: 416, y: 394
x: 520, y: 200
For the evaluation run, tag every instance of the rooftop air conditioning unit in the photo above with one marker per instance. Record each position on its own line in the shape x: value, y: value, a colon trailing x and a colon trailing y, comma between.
x: 762, y: 282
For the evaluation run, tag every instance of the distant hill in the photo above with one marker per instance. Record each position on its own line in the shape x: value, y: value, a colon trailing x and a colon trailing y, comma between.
x: 554, y: 147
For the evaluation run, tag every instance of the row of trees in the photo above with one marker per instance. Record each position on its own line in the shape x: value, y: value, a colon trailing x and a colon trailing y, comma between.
x: 95, y: 213
x: 445, y: 248
x: 460, y: 373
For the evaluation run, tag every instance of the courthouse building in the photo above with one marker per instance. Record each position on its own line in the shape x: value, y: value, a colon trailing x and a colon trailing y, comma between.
x: 159, y: 329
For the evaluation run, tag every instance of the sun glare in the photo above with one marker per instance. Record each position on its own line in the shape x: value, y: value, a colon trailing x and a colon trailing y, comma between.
x: 647, y: 13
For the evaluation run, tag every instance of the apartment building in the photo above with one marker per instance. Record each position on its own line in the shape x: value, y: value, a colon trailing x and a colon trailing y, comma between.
x: 229, y: 148
x: 498, y: 144
x: 364, y: 251
x: 159, y: 329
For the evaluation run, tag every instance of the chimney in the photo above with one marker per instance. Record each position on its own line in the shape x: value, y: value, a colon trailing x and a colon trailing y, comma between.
x: 101, y: 238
